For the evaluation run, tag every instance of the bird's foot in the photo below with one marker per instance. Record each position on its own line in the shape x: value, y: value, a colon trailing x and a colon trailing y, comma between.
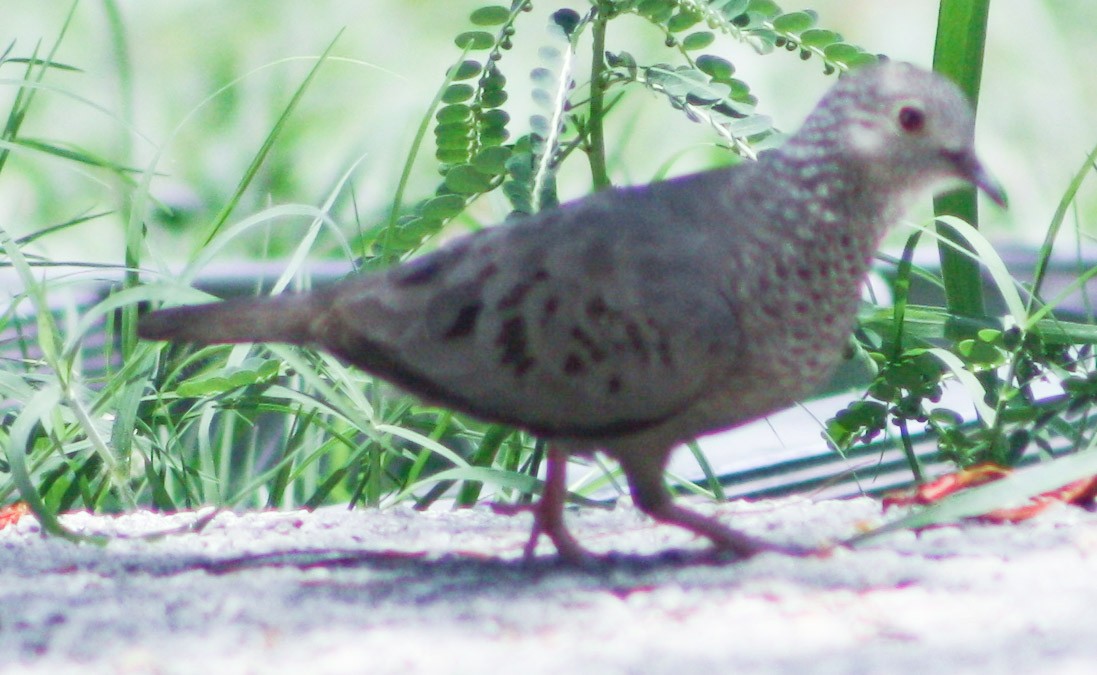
x: 549, y: 522
x: 724, y: 539
x: 744, y: 546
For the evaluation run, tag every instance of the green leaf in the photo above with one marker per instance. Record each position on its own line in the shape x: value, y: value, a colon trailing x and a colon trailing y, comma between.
x: 683, y: 20
x: 795, y: 22
x: 841, y: 52
x: 492, y: 161
x: 253, y: 370
x: 474, y: 40
x: 493, y: 136
x: 492, y: 15
x: 465, y: 70
x: 452, y: 136
x: 518, y: 195
x: 457, y: 112
x: 493, y: 98
x: 465, y: 179
x: 658, y: 11
x: 860, y: 59
x: 520, y: 166
x: 698, y: 40
x: 443, y: 207
x: 686, y: 82
x: 494, y: 118
x: 452, y: 155
x: 734, y: 8
x: 455, y: 93
x: 819, y: 38
x: 715, y: 67
x: 764, y: 7
x: 452, y: 129
x: 494, y: 79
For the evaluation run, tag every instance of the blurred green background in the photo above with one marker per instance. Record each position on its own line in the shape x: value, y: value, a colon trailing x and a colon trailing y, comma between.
x: 146, y: 96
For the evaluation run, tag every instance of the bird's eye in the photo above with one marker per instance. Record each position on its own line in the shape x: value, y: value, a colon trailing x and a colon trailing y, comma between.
x: 911, y: 118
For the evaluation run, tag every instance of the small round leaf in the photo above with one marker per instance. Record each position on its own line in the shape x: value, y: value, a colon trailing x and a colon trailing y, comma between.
x: 458, y: 112
x: 474, y: 40
x: 465, y: 70
x: 794, y: 22
x: 443, y: 207
x: 682, y: 20
x: 698, y: 40
x: 465, y: 179
x: 715, y: 67
x: 492, y: 15
x: 493, y: 98
x: 492, y: 161
x: 456, y: 93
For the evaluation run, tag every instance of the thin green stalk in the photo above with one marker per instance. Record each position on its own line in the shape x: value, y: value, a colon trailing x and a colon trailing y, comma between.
x: 958, y: 54
x: 268, y: 143
x: 597, y: 138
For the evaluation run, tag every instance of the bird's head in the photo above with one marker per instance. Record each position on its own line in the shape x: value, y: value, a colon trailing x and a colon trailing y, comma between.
x: 901, y: 126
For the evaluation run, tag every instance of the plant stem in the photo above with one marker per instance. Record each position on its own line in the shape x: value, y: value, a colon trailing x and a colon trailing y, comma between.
x: 597, y: 143
x: 958, y: 54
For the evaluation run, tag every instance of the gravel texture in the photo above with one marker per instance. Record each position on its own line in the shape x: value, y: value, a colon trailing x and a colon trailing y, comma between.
x: 337, y: 591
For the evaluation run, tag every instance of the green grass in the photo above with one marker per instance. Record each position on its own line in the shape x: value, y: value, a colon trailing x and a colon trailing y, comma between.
x: 114, y: 424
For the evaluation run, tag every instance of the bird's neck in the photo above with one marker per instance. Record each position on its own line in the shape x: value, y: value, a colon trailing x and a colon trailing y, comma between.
x: 837, y: 199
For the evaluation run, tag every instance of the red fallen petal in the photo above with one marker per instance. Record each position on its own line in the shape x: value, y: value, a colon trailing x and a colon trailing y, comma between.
x: 10, y: 515
x: 937, y: 489
x: 1035, y: 506
x: 1079, y: 493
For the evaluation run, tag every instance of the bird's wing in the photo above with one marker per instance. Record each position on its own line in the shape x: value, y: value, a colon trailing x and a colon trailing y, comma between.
x: 596, y: 319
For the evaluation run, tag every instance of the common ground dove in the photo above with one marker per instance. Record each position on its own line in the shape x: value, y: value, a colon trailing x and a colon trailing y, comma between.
x: 637, y: 318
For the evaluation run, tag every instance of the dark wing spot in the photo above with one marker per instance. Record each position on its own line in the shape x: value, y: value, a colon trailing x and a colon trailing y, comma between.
x: 486, y: 272
x: 664, y: 352
x: 592, y: 347
x: 597, y: 308
x: 573, y: 364
x: 514, y: 296
x: 662, y: 346
x: 613, y: 386
x: 465, y: 323
x: 548, y: 310
x: 636, y: 339
x: 512, y: 338
x: 520, y: 290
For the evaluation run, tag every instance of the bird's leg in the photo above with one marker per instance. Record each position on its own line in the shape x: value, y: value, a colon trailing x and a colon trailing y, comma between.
x: 548, y: 513
x: 652, y: 497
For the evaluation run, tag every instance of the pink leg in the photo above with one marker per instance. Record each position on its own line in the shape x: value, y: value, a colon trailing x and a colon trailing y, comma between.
x: 651, y: 496
x: 722, y: 536
x: 548, y: 513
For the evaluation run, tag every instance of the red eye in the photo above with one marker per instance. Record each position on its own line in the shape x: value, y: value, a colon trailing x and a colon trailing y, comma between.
x: 912, y: 119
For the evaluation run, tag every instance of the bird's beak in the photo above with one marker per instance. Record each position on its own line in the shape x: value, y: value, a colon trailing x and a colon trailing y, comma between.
x: 971, y: 170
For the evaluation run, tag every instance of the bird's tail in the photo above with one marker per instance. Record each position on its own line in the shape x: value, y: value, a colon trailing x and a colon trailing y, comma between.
x: 282, y: 318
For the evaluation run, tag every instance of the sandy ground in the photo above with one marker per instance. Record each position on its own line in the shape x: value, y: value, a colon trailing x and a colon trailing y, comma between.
x: 339, y: 591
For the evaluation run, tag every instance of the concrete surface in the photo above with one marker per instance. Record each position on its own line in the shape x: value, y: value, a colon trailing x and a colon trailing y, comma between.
x: 397, y: 591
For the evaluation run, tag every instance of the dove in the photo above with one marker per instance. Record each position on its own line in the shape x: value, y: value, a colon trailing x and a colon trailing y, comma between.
x: 637, y: 318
